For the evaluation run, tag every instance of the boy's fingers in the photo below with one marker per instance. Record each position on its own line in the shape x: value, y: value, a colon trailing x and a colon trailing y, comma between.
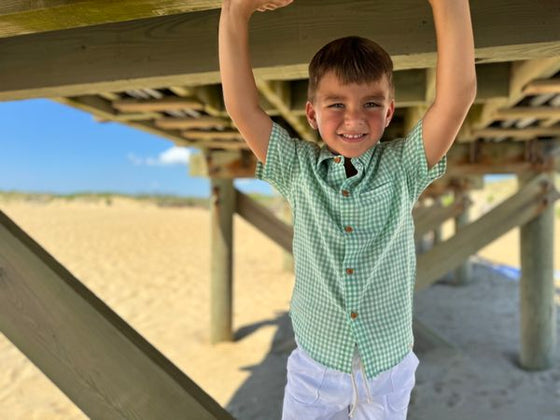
x: 273, y: 5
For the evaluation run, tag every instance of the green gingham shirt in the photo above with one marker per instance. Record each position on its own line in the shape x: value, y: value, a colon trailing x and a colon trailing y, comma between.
x: 353, y: 245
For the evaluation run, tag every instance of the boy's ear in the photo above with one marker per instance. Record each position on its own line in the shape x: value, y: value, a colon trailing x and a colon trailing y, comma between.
x: 311, y: 115
x: 390, y: 113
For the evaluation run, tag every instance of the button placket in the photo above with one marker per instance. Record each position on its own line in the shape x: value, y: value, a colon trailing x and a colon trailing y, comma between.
x: 348, y: 217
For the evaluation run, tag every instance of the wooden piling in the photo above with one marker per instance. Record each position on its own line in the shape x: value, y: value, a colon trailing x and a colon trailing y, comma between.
x: 536, y: 288
x: 438, y: 231
x: 222, y: 206
x: 464, y: 271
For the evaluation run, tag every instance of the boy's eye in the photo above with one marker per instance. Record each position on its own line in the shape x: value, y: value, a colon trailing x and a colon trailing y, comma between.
x: 371, y: 105
x: 336, y: 105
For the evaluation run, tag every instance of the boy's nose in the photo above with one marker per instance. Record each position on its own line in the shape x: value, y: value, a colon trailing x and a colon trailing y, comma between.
x: 354, y: 116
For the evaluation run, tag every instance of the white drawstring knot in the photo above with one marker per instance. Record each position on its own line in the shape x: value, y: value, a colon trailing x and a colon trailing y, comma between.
x: 357, y: 364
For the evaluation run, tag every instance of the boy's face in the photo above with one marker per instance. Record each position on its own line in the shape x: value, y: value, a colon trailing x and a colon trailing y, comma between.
x: 350, y: 118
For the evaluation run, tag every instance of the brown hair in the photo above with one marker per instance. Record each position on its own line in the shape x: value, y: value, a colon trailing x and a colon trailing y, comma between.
x: 353, y: 60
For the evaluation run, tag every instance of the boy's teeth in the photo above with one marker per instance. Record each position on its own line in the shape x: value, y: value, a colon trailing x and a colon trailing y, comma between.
x: 352, y: 136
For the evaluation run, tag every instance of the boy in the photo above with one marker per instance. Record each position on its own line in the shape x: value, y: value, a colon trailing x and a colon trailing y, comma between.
x: 351, y: 307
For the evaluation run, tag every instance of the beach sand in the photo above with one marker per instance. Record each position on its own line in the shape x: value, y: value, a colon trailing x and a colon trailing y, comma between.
x: 151, y: 265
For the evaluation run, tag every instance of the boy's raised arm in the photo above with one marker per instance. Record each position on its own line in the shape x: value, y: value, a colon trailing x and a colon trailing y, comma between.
x: 240, y: 91
x: 455, y: 77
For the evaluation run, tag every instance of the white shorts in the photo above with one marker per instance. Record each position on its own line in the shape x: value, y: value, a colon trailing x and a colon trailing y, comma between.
x: 315, y: 392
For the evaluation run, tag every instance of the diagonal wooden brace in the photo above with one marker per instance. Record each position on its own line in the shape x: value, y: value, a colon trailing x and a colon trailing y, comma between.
x: 517, y: 210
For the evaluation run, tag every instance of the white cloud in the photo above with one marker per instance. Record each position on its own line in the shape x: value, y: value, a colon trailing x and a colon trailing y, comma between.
x: 172, y: 156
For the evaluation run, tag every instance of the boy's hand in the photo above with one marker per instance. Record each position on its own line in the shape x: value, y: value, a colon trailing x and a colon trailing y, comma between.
x: 248, y: 7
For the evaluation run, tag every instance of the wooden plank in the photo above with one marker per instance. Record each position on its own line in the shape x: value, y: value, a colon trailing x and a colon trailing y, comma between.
x: 522, y: 73
x: 103, y: 365
x: 517, y: 210
x: 503, y: 157
x: 153, y: 52
x: 222, y: 207
x: 432, y: 217
x: 542, y: 86
x: 125, y: 118
x: 538, y: 112
x: 222, y: 164
x: 163, y: 104
x: 184, y: 123
x: 102, y: 108
x: 32, y: 16
x: 264, y: 220
x: 518, y: 133
x: 463, y: 272
x: 210, y: 96
x: 537, y: 290
x: 212, y: 135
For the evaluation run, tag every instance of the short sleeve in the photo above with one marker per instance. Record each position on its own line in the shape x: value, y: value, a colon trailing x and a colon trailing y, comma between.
x: 415, y: 162
x: 281, y: 167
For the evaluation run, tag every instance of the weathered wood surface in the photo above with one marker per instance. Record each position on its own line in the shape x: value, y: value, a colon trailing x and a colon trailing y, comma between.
x: 155, y: 52
x: 264, y: 220
x: 525, y: 205
x: 32, y: 16
x: 429, y: 218
x: 222, y: 207
x: 537, y: 290
x: 105, y: 367
x: 464, y: 271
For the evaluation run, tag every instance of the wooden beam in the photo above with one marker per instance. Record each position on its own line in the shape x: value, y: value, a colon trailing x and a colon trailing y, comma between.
x: 205, y: 145
x: 538, y: 112
x: 153, y: 52
x: 525, y: 205
x: 102, y: 108
x: 537, y: 290
x: 503, y: 157
x: 186, y: 123
x: 463, y: 272
x: 542, y: 86
x: 163, y: 104
x: 264, y: 220
x: 210, y: 96
x: 125, y: 118
x: 222, y: 207
x: 212, y: 135
x: 432, y: 217
x: 223, y: 164
x: 518, y: 133
x: 91, y: 354
x: 25, y: 17
x: 522, y: 73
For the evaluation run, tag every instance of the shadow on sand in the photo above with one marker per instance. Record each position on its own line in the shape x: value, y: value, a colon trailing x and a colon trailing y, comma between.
x: 260, y: 397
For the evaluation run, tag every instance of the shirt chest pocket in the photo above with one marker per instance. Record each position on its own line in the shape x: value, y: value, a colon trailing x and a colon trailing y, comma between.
x: 376, y: 206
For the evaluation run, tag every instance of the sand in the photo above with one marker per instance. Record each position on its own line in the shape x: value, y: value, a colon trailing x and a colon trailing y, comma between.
x: 150, y: 264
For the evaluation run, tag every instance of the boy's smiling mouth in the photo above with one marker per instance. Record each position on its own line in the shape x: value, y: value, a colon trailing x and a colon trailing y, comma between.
x: 352, y: 137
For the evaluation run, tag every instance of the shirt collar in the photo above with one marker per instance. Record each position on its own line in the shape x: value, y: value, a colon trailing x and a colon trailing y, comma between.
x: 364, y: 158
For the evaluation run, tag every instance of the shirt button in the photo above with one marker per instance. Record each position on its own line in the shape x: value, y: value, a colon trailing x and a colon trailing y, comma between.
x: 353, y: 315
x: 345, y: 193
x: 337, y: 159
x: 349, y: 271
x: 348, y: 229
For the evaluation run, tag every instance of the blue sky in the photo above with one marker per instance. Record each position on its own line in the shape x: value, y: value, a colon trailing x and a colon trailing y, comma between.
x: 49, y: 147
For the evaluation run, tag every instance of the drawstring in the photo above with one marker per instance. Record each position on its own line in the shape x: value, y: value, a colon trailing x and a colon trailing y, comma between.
x: 357, y: 362
x: 354, y: 396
